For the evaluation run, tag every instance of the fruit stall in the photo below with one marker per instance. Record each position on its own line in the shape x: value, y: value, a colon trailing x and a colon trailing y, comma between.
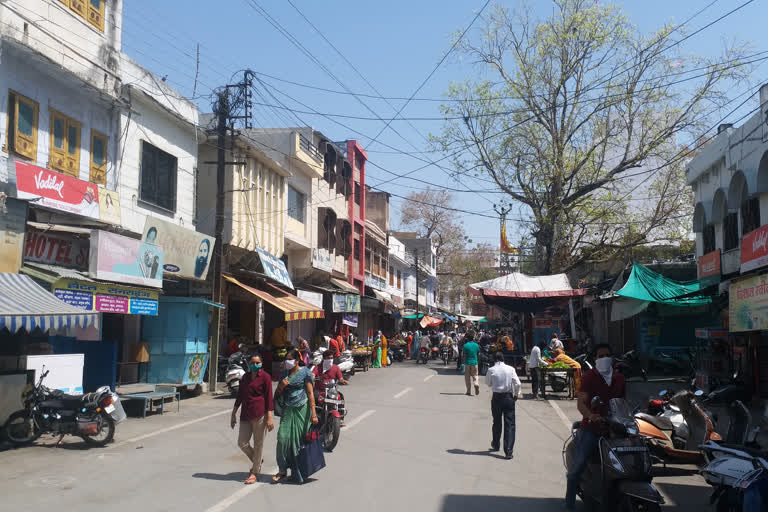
x: 362, y: 357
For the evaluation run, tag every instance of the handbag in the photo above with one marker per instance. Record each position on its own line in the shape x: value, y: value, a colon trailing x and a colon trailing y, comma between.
x: 277, y: 403
x: 310, y: 458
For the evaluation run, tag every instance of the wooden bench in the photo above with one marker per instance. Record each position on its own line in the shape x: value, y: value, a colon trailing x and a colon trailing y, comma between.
x: 152, y: 399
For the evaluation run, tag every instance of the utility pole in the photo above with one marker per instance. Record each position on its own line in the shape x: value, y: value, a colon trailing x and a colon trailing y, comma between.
x: 225, y: 109
x: 501, y: 211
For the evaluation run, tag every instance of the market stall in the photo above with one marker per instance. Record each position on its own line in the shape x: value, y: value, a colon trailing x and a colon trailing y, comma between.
x: 362, y: 358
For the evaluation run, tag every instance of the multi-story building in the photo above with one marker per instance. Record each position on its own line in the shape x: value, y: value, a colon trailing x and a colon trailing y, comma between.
x: 420, y: 286
x: 358, y: 207
x: 729, y: 177
x: 398, y: 270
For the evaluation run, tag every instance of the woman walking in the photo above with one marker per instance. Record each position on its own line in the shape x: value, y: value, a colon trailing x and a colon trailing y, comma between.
x: 377, y: 352
x: 383, y: 349
x: 304, y: 349
x: 295, y: 392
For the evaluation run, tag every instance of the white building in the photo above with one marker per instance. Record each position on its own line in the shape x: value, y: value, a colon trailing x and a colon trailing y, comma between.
x: 419, y: 250
x: 398, y: 271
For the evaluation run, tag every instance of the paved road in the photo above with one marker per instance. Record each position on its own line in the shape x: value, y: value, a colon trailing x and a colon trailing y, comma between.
x: 415, y: 442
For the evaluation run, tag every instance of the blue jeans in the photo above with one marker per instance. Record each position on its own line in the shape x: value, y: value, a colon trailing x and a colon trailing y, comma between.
x: 586, y: 444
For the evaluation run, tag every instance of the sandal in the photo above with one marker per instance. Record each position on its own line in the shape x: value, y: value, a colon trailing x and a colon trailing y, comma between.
x: 279, y: 476
x: 251, y: 480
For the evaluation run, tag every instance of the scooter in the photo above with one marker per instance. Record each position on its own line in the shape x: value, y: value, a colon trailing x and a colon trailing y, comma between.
x: 347, y: 364
x: 92, y: 416
x: 235, y: 371
x: 676, y: 439
x: 629, y: 365
x: 730, y: 472
x: 397, y: 353
x: 618, y: 477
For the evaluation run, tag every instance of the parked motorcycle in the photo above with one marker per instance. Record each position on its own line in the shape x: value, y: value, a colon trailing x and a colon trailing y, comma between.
x: 346, y: 364
x: 331, y: 411
x: 676, y: 434
x: 619, y: 476
x: 397, y: 353
x: 446, y: 351
x: 236, y: 367
x: 629, y: 365
x: 92, y: 416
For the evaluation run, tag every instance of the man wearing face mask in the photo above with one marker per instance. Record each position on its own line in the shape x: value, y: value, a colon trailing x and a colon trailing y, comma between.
x: 328, y: 370
x: 601, y: 381
x: 255, y: 396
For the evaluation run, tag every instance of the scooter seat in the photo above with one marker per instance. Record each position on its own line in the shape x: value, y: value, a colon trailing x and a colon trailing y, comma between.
x: 660, y: 422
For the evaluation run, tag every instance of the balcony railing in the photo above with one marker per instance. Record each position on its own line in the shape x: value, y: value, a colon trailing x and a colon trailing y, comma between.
x: 309, y: 148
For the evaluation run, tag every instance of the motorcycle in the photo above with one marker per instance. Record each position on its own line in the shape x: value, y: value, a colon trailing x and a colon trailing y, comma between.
x: 423, y: 355
x: 676, y: 434
x: 397, y: 352
x: 237, y: 363
x: 628, y: 364
x: 92, y: 416
x: 434, y: 353
x: 346, y: 364
x: 445, y: 353
x: 331, y: 411
x: 618, y: 477
x: 483, y: 360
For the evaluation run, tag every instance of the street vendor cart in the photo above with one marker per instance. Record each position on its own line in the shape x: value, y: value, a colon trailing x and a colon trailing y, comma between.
x: 570, y: 378
x: 362, y: 359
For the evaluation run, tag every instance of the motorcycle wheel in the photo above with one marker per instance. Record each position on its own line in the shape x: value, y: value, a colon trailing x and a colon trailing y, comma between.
x: 233, y: 389
x: 331, y: 434
x: 21, y: 429
x: 106, y: 432
x: 557, y: 385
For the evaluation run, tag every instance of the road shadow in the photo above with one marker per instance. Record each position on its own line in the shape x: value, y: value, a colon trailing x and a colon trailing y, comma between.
x: 485, y: 453
x: 454, y: 394
x: 464, y: 502
x: 446, y: 370
x: 237, y: 476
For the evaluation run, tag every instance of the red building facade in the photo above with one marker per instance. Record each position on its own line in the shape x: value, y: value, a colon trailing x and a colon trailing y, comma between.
x: 357, y: 157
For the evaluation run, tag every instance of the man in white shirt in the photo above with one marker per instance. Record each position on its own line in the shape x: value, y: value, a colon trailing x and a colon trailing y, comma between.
x: 505, y: 385
x: 535, y: 364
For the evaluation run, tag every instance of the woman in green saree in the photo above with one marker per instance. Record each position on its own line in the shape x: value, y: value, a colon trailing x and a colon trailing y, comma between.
x: 295, y: 391
x: 377, y: 352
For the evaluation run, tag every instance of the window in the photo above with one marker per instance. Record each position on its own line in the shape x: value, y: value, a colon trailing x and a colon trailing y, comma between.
x: 357, y: 194
x: 64, y: 154
x: 750, y: 215
x: 91, y: 11
x: 368, y: 259
x: 297, y: 205
x: 158, y: 177
x: 399, y: 280
x: 357, y: 249
x: 731, y: 231
x: 22, y: 126
x: 709, y: 238
x: 391, y: 276
x: 98, y: 172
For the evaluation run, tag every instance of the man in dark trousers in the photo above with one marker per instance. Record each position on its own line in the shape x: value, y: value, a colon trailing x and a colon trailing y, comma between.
x: 503, y: 381
x: 605, y: 383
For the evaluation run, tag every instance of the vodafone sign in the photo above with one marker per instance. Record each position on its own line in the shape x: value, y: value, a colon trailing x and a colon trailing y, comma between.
x: 754, y: 249
x: 55, y: 190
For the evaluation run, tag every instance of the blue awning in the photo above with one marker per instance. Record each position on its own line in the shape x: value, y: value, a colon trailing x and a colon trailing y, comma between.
x: 25, y: 304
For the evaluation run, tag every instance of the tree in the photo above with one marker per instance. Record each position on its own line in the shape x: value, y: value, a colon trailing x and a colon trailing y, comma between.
x: 465, y: 267
x: 579, y: 119
x: 425, y: 212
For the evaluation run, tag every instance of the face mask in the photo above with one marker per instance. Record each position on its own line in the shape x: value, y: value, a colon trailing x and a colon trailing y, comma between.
x: 327, y: 363
x: 604, y: 364
x: 289, y: 364
x: 255, y: 367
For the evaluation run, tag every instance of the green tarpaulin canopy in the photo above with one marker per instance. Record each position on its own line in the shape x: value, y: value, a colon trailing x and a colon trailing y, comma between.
x: 645, y: 284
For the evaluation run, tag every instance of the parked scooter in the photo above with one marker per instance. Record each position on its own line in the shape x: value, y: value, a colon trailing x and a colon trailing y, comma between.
x: 346, y: 364
x: 397, y: 353
x: 92, y: 416
x: 675, y: 437
x: 331, y: 411
x: 619, y: 476
x: 238, y: 362
x: 629, y: 365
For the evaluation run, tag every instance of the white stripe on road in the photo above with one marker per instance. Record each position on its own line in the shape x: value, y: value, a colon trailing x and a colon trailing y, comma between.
x: 568, y: 424
x: 402, y: 393
x: 168, y: 429
x: 238, y: 495
x: 357, y: 420
x: 429, y: 377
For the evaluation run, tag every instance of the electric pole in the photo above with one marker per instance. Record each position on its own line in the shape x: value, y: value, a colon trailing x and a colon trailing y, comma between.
x: 224, y: 108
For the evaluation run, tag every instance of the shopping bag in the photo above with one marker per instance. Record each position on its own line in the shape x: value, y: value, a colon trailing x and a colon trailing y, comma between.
x: 311, y: 458
x: 277, y: 403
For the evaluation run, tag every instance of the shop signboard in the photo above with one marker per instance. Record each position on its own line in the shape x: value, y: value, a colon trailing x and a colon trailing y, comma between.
x: 56, y: 249
x: 754, y: 249
x: 375, y: 282
x: 710, y: 268
x: 106, y: 297
x: 274, y: 268
x: 343, y: 303
x: 748, y: 304
x: 321, y: 259
x: 349, y: 319
x: 314, y: 298
x: 109, y: 206
x: 186, y: 253
x: 125, y: 260
x: 545, y: 323
x: 56, y: 190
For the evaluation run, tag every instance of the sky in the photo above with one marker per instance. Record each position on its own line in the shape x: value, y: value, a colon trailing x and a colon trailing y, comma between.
x: 394, y: 45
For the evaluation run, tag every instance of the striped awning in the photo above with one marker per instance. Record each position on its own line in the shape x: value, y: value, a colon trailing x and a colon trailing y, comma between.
x: 293, y: 307
x: 25, y: 304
